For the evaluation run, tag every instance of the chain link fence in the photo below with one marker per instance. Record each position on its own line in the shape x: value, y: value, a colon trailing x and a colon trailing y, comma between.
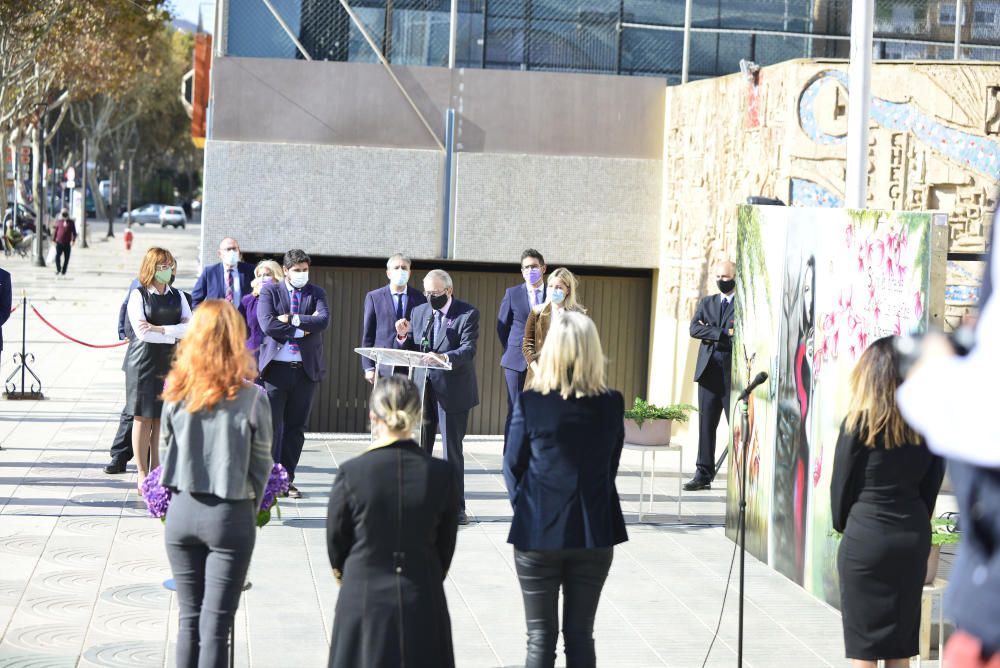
x: 637, y: 37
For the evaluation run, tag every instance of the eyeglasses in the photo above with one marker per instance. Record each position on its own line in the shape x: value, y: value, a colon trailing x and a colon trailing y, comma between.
x: 164, y: 267
x: 231, y: 248
x: 428, y: 293
x: 529, y: 267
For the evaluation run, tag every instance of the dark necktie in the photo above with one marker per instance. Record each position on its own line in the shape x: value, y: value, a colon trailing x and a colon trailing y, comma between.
x: 399, y: 306
x: 229, y: 285
x: 293, y: 347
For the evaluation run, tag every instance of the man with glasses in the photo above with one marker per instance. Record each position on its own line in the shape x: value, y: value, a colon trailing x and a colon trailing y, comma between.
x: 448, y: 330
x: 228, y: 279
x: 514, y: 309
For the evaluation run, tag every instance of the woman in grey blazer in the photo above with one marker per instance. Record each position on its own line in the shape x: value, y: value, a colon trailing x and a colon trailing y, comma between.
x: 215, y: 437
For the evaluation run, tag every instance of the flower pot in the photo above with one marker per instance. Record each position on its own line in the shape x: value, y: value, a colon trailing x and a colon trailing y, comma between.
x: 932, y: 564
x: 651, y: 432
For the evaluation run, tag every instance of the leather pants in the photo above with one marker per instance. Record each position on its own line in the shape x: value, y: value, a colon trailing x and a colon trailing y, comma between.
x: 581, y: 574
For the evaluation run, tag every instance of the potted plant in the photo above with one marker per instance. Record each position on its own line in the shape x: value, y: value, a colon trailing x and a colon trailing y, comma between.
x: 648, y: 424
x: 944, y: 531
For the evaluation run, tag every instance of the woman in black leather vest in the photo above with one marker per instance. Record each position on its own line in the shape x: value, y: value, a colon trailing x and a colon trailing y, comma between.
x: 158, y: 315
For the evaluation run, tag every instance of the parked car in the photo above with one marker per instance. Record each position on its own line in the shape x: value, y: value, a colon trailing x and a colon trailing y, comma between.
x: 173, y: 215
x: 150, y: 213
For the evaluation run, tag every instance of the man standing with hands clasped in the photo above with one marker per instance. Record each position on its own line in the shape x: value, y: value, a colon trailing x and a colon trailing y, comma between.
x: 713, y: 325
x: 447, y: 330
x: 385, y: 309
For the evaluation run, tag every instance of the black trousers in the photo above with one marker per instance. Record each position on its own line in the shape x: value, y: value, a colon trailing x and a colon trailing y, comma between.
x: 454, y: 425
x: 713, y: 400
x: 515, y: 385
x: 290, y: 392
x: 62, y: 257
x: 121, y: 447
x: 581, y: 574
x: 209, y: 544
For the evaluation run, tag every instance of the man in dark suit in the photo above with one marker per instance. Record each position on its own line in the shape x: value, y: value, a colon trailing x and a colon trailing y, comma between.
x: 447, y: 329
x: 713, y: 325
x: 6, y: 302
x: 384, y: 308
x: 514, y: 309
x: 228, y: 279
x: 292, y: 314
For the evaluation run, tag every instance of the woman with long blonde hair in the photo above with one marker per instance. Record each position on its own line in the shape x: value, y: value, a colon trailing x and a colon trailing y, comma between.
x: 216, y: 456
x: 561, y: 297
x: 883, y: 489
x: 562, y: 457
x: 265, y: 273
x: 158, y: 315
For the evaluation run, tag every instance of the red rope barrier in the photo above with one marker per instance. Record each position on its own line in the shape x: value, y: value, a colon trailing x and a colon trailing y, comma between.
x: 67, y: 336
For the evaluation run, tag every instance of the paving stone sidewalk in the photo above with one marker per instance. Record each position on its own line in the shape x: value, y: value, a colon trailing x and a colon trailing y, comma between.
x: 82, y: 566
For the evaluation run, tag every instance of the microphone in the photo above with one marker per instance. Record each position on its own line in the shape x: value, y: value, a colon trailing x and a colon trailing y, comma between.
x: 424, y: 341
x: 754, y: 384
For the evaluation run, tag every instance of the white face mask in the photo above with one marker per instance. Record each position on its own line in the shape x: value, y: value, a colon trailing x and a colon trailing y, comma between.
x: 399, y: 277
x: 231, y: 258
x: 298, y: 279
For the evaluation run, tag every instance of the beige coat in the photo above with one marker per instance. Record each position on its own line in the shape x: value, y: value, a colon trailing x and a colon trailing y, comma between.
x: 535, y: 329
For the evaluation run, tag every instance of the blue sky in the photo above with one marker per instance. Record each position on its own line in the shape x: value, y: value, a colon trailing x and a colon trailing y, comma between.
x: 188, y: 10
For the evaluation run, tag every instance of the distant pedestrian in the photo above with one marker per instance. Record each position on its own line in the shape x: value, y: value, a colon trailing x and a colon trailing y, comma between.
x: 562, y: 291
x: 292, y: 314
x: 159, y: 315
x: 266, y: 272
x: 216, y: 460
x: 391, y: 529
x: 883, y: 489
x: 64, y: 236
x: 228, y: 280
x: 564, y: 446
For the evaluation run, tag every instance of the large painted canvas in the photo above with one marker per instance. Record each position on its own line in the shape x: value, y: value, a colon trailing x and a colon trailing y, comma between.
x: 817, y: 287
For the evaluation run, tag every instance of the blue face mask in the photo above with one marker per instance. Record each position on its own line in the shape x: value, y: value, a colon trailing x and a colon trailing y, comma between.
x: 557, y: 296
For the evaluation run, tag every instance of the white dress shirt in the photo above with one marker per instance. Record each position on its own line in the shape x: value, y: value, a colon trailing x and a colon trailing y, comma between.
x: 951, y: 400
x: 137, y: 314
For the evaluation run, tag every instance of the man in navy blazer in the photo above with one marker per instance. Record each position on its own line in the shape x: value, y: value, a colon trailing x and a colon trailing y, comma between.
x: 228, y: 279
x: 292, y: 314
x: 449, y: 330
x: 514, y: 309
x: 6, y: 301
x: 384, y: 308
x: 712, y: 324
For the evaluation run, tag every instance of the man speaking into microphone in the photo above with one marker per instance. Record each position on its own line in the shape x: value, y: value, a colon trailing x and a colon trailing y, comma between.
x: 447, y: 329
x: 712, y: 324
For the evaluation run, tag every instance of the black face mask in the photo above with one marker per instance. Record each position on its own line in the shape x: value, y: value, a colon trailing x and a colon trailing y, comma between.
x: 438, y: 301
x: 726, y: 286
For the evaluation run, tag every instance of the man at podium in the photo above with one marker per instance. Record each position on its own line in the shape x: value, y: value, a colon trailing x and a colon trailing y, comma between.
x: 385, y: 307
x: 449, y: 330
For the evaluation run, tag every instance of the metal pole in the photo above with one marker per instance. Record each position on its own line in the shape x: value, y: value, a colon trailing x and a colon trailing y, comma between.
x: 129, y: 204
x: 83, y: 190
x: 686, y: 52
x: 957, y: 53
x: 111, y: 206
x: 859, y: 103
x: 453, y: 35
x: 449, y: 171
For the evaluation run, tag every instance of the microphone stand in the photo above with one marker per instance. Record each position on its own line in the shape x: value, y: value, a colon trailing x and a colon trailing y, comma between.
x: 741, y: 528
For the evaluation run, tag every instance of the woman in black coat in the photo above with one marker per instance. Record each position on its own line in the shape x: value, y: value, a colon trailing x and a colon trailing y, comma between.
x: 562, y: 456
x: 884, y: 486
x: 391, y: 529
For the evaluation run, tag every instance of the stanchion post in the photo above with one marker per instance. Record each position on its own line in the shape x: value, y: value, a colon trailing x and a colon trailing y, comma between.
x: 22, y: 359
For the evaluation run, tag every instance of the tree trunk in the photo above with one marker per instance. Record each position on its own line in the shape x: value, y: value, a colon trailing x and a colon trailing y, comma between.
x: 3, y: 187
x: 38, y: 190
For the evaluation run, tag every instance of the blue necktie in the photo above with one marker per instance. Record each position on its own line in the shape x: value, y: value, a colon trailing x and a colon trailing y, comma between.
x: 399, y: 306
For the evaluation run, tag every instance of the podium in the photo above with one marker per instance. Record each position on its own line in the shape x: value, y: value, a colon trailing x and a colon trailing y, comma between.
x: 412, y: 360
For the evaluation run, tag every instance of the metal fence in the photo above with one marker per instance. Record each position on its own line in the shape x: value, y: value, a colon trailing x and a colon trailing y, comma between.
x: 637, y: 37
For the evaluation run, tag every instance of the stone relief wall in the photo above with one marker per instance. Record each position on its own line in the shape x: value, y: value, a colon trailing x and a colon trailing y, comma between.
x: 934, y: 144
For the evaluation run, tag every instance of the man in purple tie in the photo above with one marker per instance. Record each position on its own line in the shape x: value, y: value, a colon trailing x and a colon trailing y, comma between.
x: 385, y: 308
x: 514, y: 309
x: 229, y: 279
x: 292, y: 315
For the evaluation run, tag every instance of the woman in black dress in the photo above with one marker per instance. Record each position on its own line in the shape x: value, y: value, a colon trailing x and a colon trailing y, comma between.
x: 884, y: 486
x: 158, y: 315
x: 391, y: 529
